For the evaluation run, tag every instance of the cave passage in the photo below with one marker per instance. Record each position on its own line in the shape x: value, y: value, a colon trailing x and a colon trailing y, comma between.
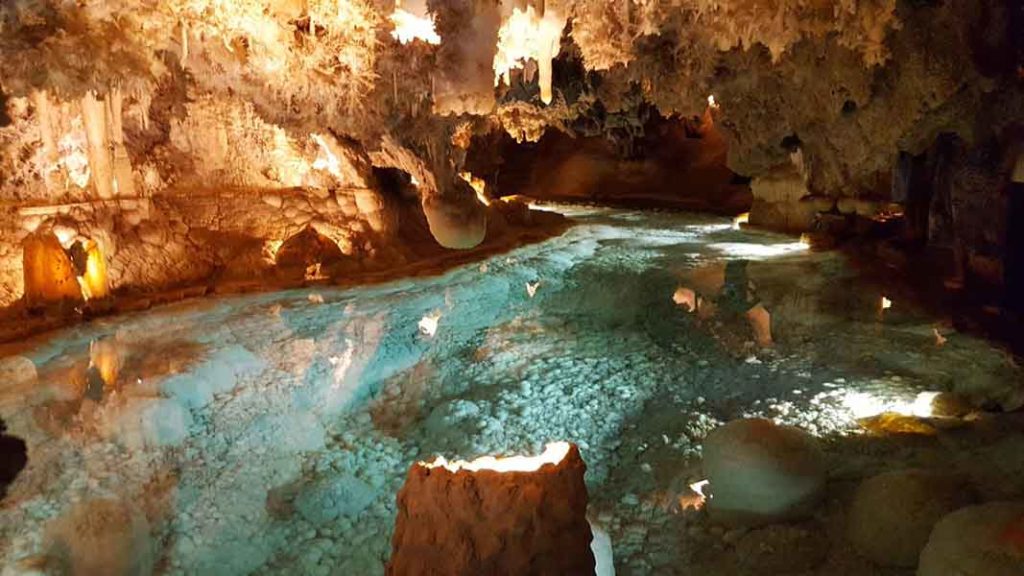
x: 270, y: 433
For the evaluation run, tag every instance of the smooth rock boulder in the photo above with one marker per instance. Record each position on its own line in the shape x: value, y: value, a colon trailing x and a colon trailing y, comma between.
x: 457, y: 224
x: 760, y: 472
x: 983, y: 540
x: 893, y: 513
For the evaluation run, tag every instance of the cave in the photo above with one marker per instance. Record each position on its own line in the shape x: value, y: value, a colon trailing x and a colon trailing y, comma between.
x: 408, y: 287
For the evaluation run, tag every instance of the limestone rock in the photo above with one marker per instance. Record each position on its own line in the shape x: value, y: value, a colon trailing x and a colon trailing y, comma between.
x: 777, y: 201
x: 458, y: 225
x: 49, y: 271
x: 490, y: 522
x: 893, y: 513
x: 984, y: 540
x: 761, y: 473
x: 328, y: 499
x: 101, y: 536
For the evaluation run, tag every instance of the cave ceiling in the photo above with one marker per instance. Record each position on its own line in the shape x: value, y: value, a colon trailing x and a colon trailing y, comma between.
x: 853, y: 82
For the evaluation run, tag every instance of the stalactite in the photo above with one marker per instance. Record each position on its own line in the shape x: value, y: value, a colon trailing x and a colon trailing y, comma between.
x: 184, y: 43
x: 94, y: 114
x: 123, y: 182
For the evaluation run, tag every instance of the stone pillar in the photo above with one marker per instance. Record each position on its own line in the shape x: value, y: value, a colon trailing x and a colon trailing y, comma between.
x: 94, y: 114
x: 474, y: 518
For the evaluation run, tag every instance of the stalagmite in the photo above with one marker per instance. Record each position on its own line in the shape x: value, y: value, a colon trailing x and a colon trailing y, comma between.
x: 517, y: 515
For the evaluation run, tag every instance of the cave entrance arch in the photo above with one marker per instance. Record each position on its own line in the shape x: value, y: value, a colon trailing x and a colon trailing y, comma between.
x: 309, y: 252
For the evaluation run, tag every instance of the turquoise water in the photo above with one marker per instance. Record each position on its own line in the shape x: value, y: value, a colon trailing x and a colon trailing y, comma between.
x: 270, y: 433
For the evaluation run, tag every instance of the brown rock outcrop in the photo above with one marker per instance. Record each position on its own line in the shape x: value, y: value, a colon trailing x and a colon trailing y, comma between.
x: 472, y: 519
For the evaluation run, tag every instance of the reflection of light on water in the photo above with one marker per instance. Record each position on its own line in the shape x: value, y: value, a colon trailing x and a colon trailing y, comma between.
x: 744, y: 250
x: 741, y: 219
x: 553, y: 454
x: 341, y: 364
x: 864, y: 405
x: 696, y: 497
x: 428, y: 324
x: 686, y: 298
x: 698, y: 487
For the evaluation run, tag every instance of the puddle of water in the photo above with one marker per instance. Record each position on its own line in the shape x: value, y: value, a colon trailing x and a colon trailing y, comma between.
x: 270, y: 433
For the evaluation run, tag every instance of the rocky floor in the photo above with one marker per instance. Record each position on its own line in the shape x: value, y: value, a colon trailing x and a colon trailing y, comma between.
x: 270, y: 433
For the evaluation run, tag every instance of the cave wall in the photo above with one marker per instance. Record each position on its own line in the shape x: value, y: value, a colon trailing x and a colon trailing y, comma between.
x: 186, y: 138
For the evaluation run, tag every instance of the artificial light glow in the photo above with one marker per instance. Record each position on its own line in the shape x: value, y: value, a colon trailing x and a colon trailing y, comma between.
x: 414, y: 181
x: 712, y: 103
x: 744, y: 250
x: 886, y: 303
x: 428, y: 324
x: 554, y: 453
x: 864, y: 405
x: 478, y: 185
x: 271, y: 247
x: 686, y: 298
x: 94, y: 281
x: 526, y: 36
x: 741, y: 219
x: 698, y: 487
x: 409, y: 27
x: 696, y: 498
x: 325, y: 159
x: 105, y: 358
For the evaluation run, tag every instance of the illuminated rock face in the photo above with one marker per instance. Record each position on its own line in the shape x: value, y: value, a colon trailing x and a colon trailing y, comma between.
x: 985, y: 540
x: 459, y: 224
x: 49, y: 272
x: 490, y: 522
x: 761, y: 473
x: 893, y: 513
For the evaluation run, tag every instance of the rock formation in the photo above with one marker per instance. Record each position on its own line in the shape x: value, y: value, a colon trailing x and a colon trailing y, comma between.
x: 759, y: 472
x: 518, y: 515
x: 979, y: 540
x: 893, y: 513
x: 186, y: 140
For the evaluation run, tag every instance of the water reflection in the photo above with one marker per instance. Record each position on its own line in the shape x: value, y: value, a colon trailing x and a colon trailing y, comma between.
x: 245, y: 429
x: 724, y: 292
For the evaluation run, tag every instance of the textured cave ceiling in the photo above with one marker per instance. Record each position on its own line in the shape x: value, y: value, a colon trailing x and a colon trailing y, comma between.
x: 854, y: 82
